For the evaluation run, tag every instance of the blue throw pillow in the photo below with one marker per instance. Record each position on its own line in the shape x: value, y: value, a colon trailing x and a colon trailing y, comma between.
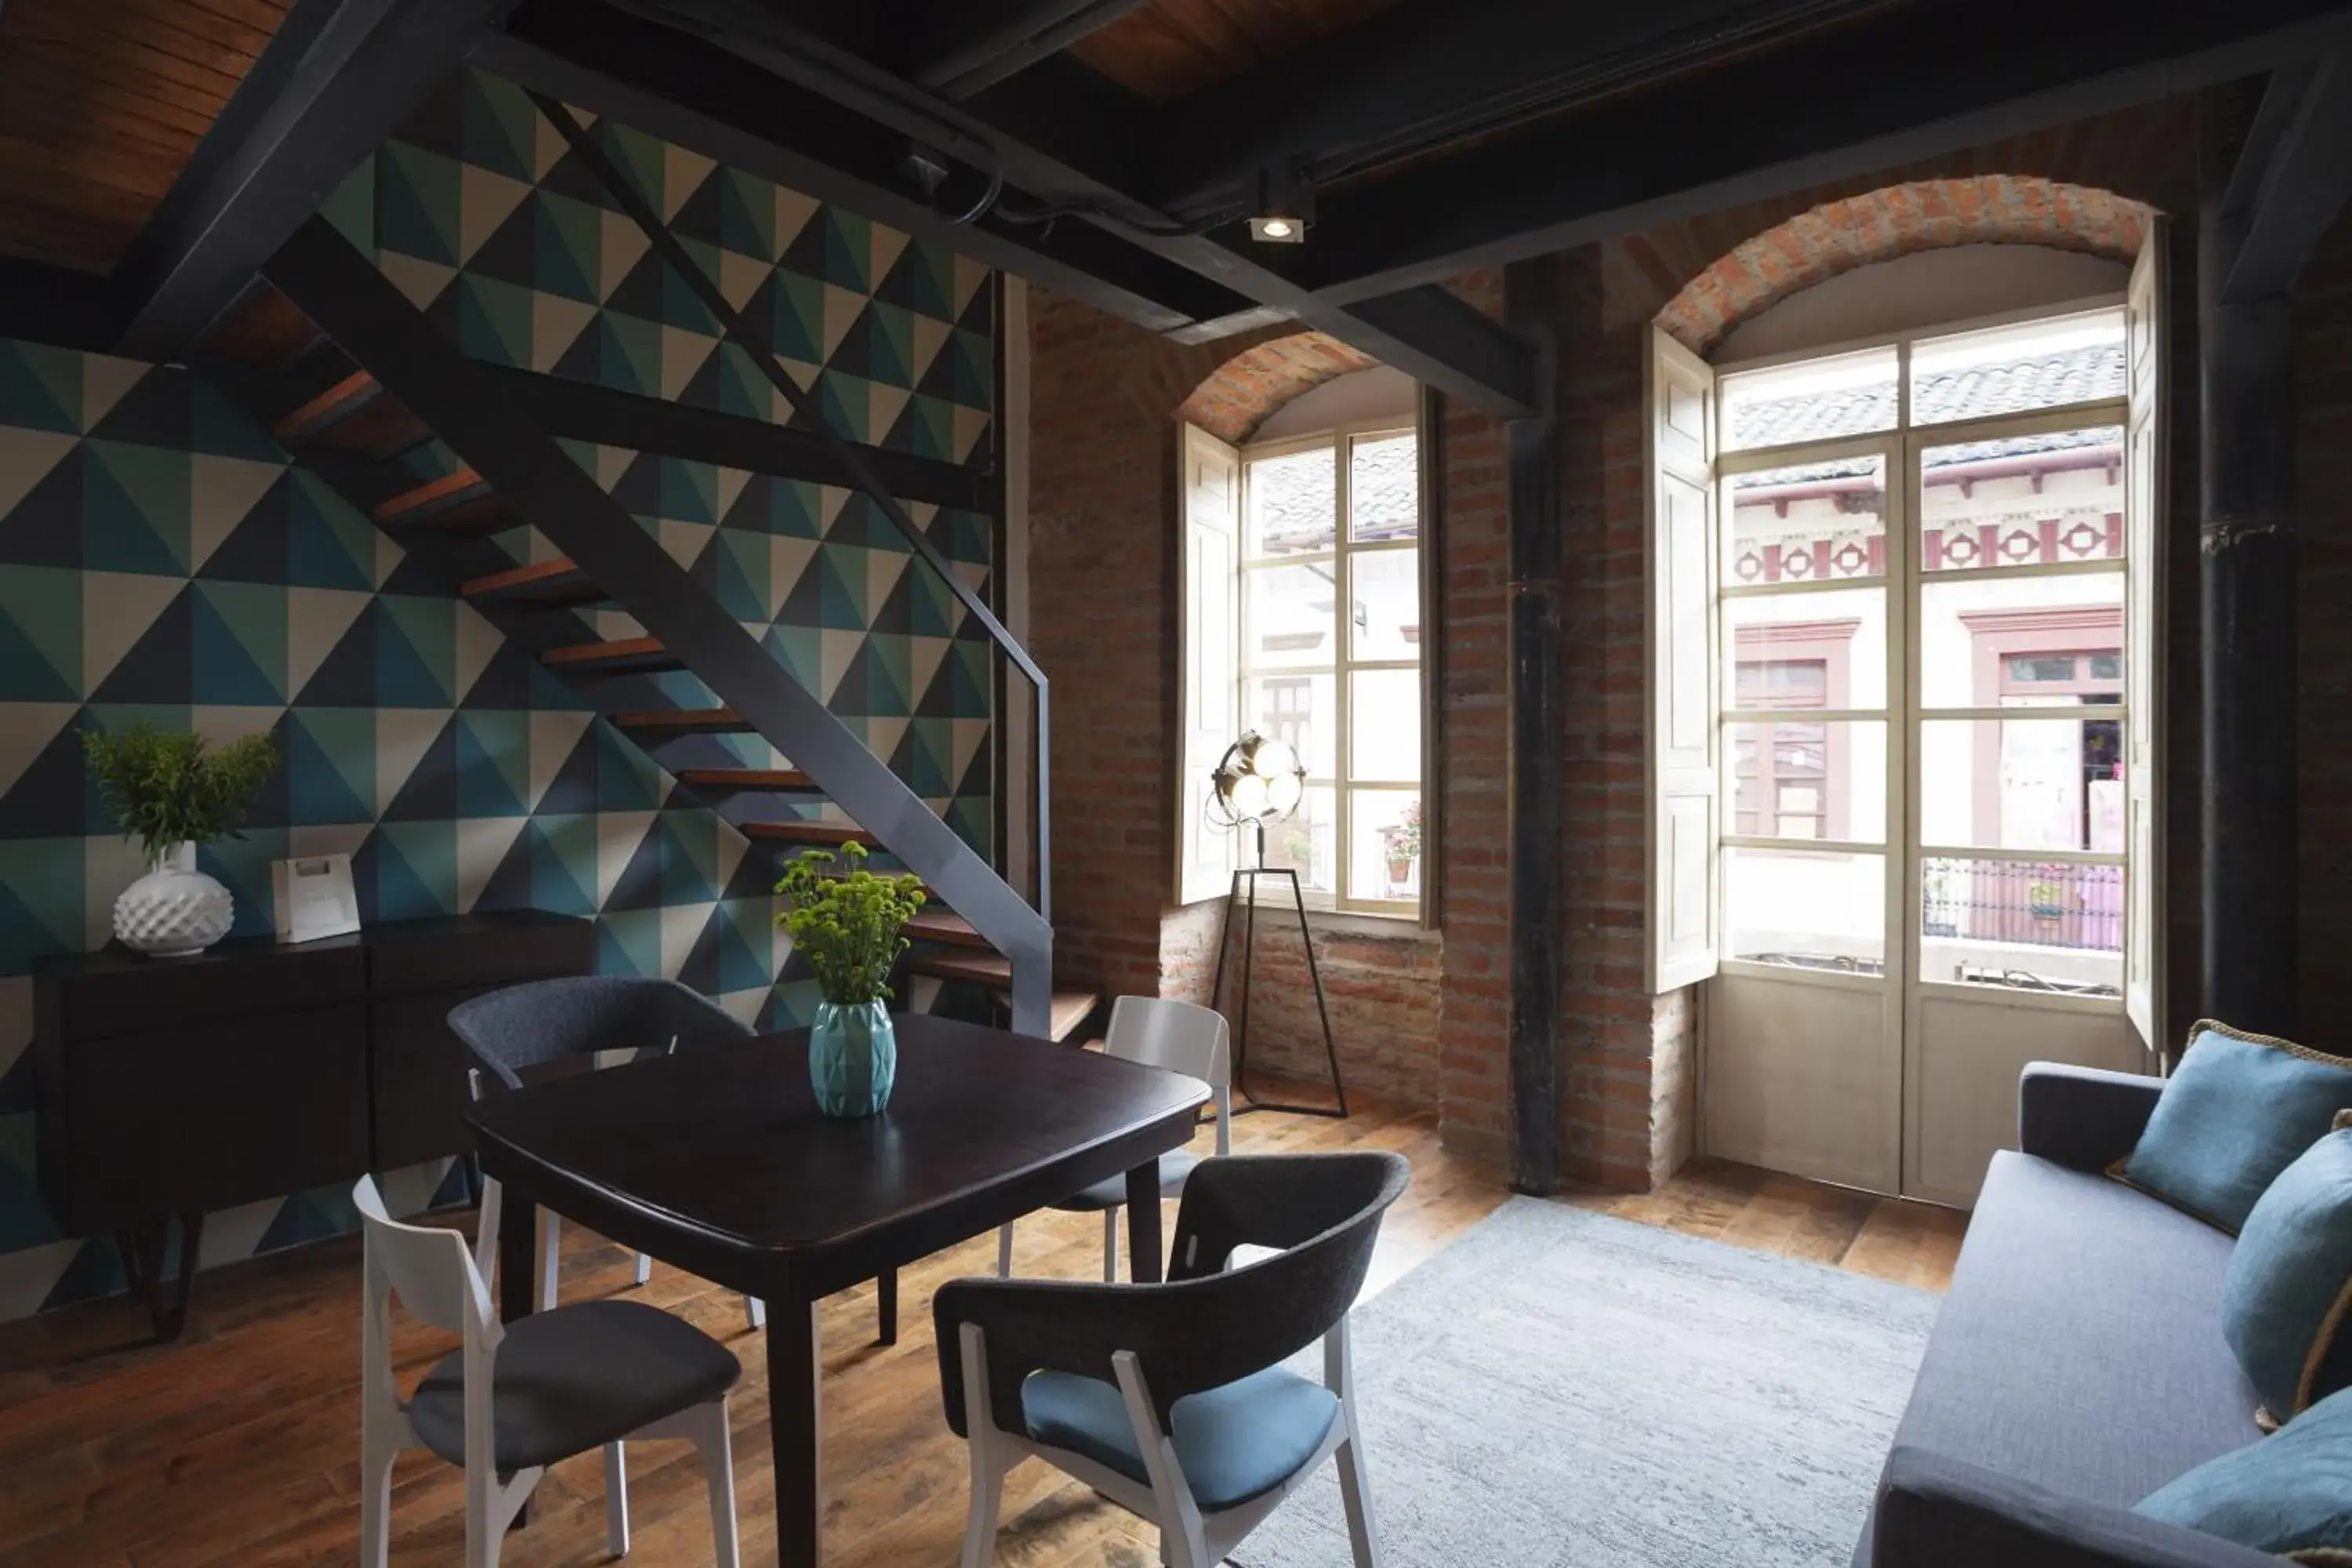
x: 2238, y: 1109
x: 2290, y: 1493
x: 2289, y: 1286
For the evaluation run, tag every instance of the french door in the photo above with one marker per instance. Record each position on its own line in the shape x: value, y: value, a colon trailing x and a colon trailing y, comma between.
x: 1925, y: 835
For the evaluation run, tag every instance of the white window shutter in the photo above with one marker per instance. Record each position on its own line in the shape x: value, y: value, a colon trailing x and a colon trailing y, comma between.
x: 1209, y: 654
x: 1684, y: 821
x: 2143, y: 531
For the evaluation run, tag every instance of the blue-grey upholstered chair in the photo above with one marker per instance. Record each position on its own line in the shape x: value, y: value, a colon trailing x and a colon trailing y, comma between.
x: 1172, y: 1400
x: 543, y: 1022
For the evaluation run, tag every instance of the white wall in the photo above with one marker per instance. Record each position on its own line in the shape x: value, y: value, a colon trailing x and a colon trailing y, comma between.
x: 1954, y: 284
x: 1380, y: 393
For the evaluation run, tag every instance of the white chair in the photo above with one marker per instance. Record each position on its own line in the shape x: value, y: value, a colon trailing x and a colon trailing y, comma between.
x: 1172, y: 1400
x: 1159, y: 1032
x: 508, y: 1401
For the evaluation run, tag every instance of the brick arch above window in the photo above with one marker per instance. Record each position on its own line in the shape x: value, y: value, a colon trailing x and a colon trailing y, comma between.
x: 1898, y: 220
x: 1239, y: 395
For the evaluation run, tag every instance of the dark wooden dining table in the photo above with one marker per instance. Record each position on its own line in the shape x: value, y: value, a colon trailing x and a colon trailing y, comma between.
x: 718, y: 1161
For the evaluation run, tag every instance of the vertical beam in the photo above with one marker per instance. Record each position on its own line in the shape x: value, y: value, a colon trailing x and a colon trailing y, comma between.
x: 2246, y: 572
x: 1531, y: 294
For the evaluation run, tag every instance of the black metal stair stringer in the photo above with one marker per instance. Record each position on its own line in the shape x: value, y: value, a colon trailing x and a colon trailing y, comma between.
x: 354, y: 304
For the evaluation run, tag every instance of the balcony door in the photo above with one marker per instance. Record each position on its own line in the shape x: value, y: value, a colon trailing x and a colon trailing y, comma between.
x: 1930, y: 592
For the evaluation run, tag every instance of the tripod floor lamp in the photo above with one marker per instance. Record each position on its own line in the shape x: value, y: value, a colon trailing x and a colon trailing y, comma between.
x: 1261, y: 782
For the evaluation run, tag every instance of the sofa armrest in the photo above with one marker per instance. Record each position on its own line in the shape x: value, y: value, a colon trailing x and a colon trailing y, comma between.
x: 1940, y: 1512
x: 2087, y: 1118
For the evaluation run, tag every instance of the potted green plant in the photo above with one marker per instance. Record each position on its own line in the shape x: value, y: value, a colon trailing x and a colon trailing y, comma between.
x: 851, y: 924
x: 173, y: 792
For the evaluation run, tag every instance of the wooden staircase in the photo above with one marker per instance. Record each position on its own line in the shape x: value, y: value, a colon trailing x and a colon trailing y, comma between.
x: 347, y: 425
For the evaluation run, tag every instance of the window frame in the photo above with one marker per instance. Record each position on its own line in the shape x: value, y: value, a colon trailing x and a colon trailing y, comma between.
x: 1340, y: 560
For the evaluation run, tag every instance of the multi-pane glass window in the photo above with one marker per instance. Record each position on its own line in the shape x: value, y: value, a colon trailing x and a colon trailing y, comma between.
x: 1330, y: 655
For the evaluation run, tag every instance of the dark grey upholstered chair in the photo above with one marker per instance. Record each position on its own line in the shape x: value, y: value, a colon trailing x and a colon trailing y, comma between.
x: 510, y: 1401
x: 1171, y: 1399
x: 537, y: 1024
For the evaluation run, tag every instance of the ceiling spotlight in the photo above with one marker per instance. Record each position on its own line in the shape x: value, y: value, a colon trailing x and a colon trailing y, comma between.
x: 1284, y: 206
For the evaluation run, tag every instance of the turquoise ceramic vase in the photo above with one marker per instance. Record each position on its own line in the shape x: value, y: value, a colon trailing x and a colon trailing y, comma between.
x: 853, y: 1057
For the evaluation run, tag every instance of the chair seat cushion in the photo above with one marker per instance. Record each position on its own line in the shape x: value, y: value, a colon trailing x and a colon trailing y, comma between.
x: 1111, y: 1191
x: 574, y: 1379
x: 1232, y: 1442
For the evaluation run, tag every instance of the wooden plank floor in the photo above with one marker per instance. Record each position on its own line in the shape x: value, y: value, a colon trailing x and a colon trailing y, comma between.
x: 239, y: 1444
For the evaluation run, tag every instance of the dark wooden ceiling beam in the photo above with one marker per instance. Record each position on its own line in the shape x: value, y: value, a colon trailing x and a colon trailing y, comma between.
x: 327, y: 92
x: 1924, y: 83
x: 2291, y: 178
x: 1433, y: 339
x: 647, y: 75
x: 1435, y: 71
x: 961, y: 47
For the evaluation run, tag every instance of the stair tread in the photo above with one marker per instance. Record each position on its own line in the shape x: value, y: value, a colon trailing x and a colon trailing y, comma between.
x: 1067, y: 1010
x: 682, y: 721
x: 745, y: 778
x: 554, y: 584
x: 635, y: 653
x: 940, y: 926
x: 808, y: 832
x: 345, y: 397
x: 447, y: 491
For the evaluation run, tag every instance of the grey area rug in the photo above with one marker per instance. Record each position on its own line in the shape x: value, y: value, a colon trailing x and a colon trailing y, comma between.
x: 1560, y: 1388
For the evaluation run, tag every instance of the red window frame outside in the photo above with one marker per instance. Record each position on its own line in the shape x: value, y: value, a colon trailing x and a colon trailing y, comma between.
x: 1831, y: 644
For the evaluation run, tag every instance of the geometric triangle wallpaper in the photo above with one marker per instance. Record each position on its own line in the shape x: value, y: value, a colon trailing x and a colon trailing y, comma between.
x: 216, y: 585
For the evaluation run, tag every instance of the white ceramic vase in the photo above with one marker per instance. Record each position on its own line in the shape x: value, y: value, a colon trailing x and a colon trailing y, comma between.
x: 174, y: 910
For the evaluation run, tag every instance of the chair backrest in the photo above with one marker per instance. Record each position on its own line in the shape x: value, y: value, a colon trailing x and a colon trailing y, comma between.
x: 544, y: 1021
x: 427, y: 1266
x: 1208, y: 1326
x: 1161, y: 1032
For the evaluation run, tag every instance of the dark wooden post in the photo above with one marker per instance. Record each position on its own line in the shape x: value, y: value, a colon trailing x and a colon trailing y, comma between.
x: 1532, y: 303
x: 2246, y: 570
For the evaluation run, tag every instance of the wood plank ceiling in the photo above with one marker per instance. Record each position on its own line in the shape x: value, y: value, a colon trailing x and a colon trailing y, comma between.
x: 1165, y: 50
x: 101, y: 104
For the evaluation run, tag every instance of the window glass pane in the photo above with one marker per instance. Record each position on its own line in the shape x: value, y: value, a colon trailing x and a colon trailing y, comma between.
x: 2022, y: 501
x: 1807, y: 907
x: 2028, y: 926
x: 1385, y: 617
x: 2009, y: 370
x: 1299, y: 710
x: 1294, y: 502
x: 1808, y: 523
x: 1306, y: 842
x: 1286, y: 616
x: 2022, y: 784
x: 1384, y: 851
x: 1806, y: 650
x: 1383, y: 487
x: 1808, y: 779
x: 2021, y: 642
x: 1384, y: 739
x: 1818, y: 400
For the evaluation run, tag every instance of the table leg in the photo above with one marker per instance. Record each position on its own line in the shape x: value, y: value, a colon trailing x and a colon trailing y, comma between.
x: 792, y: 1397
x: 1143, y: 1224
x: 885, y: 1306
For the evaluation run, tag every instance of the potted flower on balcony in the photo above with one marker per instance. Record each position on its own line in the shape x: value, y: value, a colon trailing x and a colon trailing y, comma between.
x: 173, y: 794
x: 1403, y: 844
x: 851, y: 924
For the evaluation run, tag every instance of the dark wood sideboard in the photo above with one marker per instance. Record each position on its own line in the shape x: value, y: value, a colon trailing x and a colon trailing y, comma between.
x: 170, y: 1087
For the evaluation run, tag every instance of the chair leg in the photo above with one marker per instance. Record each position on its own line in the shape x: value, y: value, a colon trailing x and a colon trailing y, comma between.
x: 716, y: 1444
x: 375, y: 1500
x: 1004, y: 1250
x: 756, y: 1310
x: 1356, y: 1498
x: 486, y: 1524
x: 1110, y: 1246
x: 550, y: 1247
x: 616, y: 1498
x: 987, y: 1500
x: 645, y: 1269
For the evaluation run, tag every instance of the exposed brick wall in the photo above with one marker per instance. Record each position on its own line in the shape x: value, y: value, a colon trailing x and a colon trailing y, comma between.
x: 1239, y: 395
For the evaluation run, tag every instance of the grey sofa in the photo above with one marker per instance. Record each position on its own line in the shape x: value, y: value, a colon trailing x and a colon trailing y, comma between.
x: 2076, y: 1365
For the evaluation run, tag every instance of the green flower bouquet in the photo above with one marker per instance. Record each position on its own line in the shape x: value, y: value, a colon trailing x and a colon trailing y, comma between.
x: 851, y: 925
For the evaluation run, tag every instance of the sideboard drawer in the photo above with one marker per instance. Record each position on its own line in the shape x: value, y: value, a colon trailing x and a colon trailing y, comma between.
x: 115, y: 993
x: 478, y: 951
x: 225, y: 1115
